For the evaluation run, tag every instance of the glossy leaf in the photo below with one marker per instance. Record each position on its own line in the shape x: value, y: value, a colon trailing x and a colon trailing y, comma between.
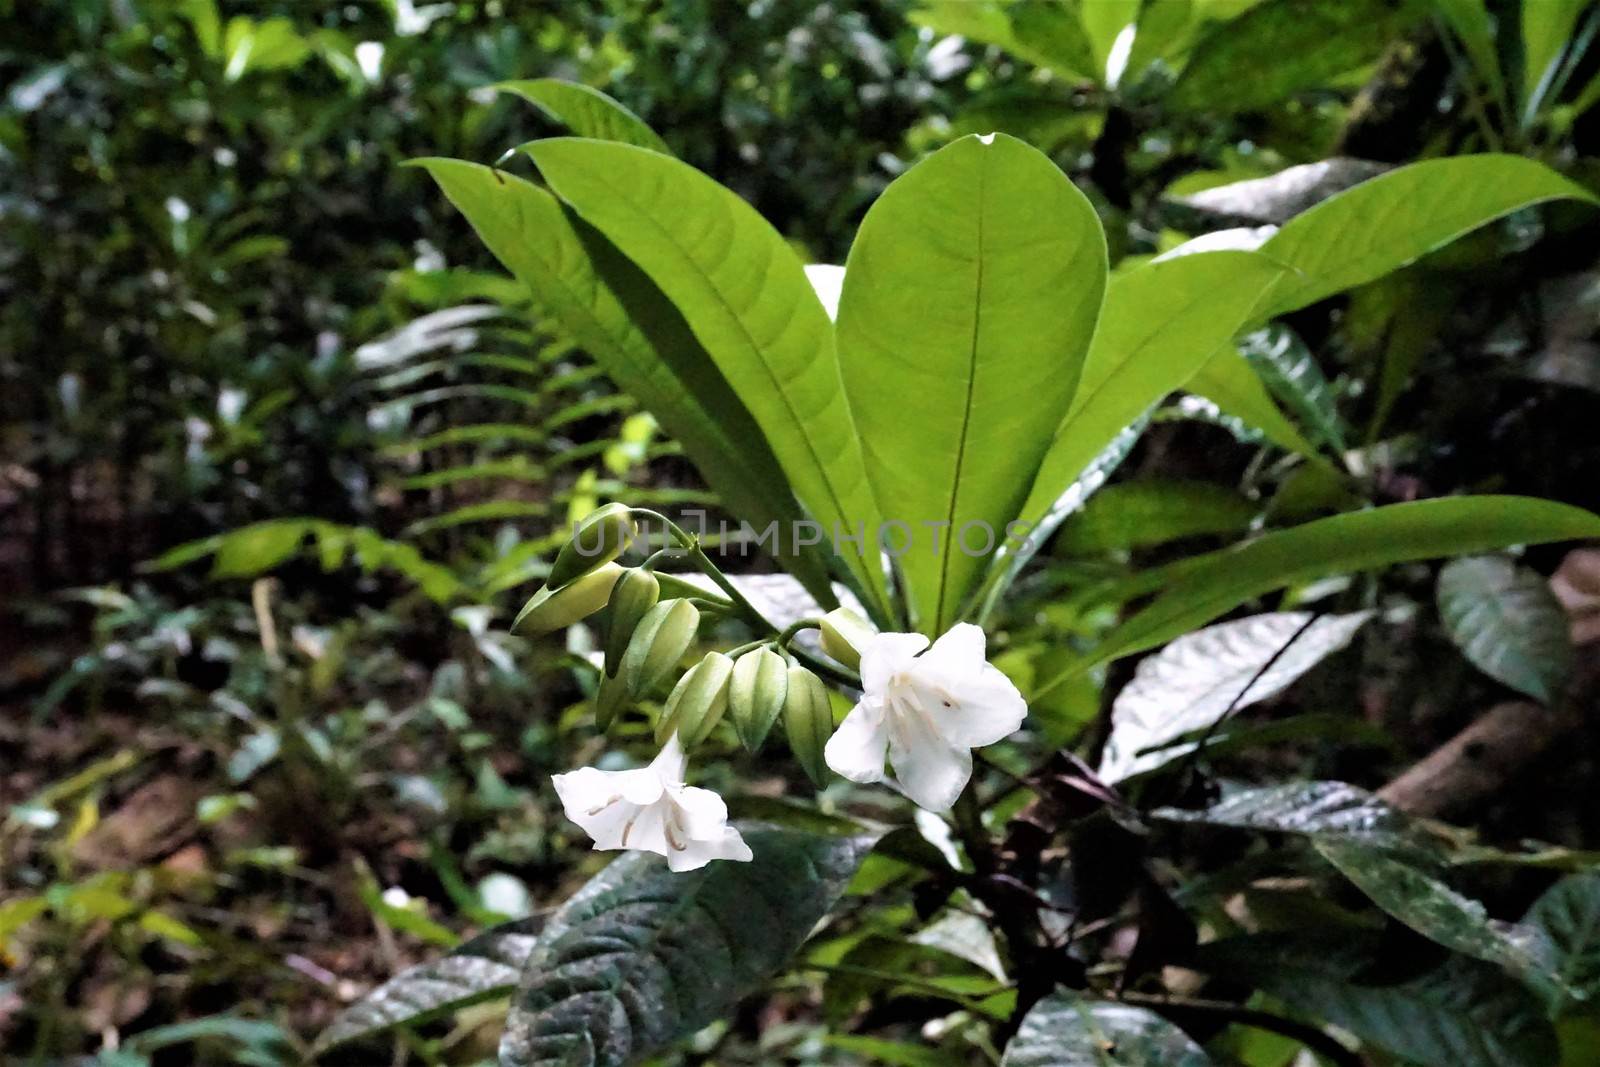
x: 1395, y: 219
x: 1069, y: 1030
x: 1333, y: 811
x: 485, y: 967
x: 1198, y: 678
x: 1440, y: 914
x: 641, y: 957
x: 1160, y: 324
x: 586, y: 112
x: 1460, y: 1014
x: 1286, y: 46
x: 745, y: 296
x: 1568, y: 914
x: 1292, y: 373
x: 625, y: 323
x: 1508, y: 623
x: 1547, y: 27
x: 1196, y: 590
x: 969, y: 299
x: 1154, y: 511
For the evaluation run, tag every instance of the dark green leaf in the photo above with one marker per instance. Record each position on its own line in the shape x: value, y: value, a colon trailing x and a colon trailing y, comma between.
x: 1292, y: 373
x: 1333, y: 811
x: 1508, y: 623
x: 641, y: 957
x: 1460, y: 1014
x: 1153, y: 511
x: 485, y: 967
x: 1568, y: 914
x: 1069, y: 1030
x: 1282, y: 47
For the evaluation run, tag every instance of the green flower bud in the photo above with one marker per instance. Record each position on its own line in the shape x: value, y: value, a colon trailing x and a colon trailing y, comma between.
x: 755, y: 694
x: 597, y: 540
x: 697, y: 703
x: 635, y: 593
x: 844, y: 635
x: 658, y: 643
x: 609, y: 698
x: 808, y: 720
x: 551, y: 609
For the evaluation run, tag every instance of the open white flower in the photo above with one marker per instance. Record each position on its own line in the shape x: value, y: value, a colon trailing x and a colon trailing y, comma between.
x: 925, y: 713
x: 651, y: 810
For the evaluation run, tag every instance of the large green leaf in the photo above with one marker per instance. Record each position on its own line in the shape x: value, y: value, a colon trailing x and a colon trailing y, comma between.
x: 1196, y: 590
x: 1069, y: 1030
x: 745, y: 295
x: 624, y: 322
x: 1154, y: 511
x: 1508, y: 623
x: 1460, y: 1014
x: 1160, y: 323
x: 969, y: 299
x: 1281, y: 47
x: 1569, y: 915
x: 641, y: 957
x: 1396, y: 218
x: 483, y: 968
x: 1439, y: 913
x: 1547, y: 27
x: 586, y: 112
x: 1197, y: 679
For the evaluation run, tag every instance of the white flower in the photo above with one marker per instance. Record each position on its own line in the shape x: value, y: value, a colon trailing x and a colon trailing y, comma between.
x: 926, y: 713
x: 651, y: 810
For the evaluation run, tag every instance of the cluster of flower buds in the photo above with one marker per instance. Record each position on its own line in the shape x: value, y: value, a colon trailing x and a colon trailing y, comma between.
x: 646, y: 637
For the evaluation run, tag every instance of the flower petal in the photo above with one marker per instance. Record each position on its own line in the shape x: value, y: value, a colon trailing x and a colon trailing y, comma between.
x: 885, y: 656
x: 701, y: 812
x: 930, y: 771
x: 960, y: 648
x: 972, y: 710
x: 696, y: 854
x: 857, y: 748
x: 591, y: 799
x: 671, y: 764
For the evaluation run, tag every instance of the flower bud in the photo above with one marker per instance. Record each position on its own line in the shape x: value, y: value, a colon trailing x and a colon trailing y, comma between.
x: 635, y: 593
x: 697, y: 703
x: 598, y: 539
x: 755, y: 694
x: 609, y: 697
x: 844, y: 635
x: 551, y: 608
x: 658, y: 643
x: 808, y: 720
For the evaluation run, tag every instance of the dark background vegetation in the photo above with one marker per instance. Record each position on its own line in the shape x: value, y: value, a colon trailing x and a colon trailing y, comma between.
x: 254, y: 791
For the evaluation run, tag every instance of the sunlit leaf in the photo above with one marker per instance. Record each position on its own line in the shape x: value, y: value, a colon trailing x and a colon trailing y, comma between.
x: 586, y: 112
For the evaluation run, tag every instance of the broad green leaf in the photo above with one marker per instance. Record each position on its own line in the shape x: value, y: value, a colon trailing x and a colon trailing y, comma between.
x: 745, y: 296
x: 483, y: 968
x: 1508, y: 624
x: 1160, y: 324
x: 1282, y: 47
x: 624, y: 322
x: 1046, y: 33
x: 1199, y: 678
x: 1070, y: 1030
x: 1104, y: 22
x: 969, y: 299
x: 1547, y: 27
x: 1333, y: 811
x: 1460, y: 1014
x: 1569, y: 915
x: 1154, y: 511
x: 892, y: 1053
x: 1234, y: 386
x: 1395, y: 219
x: 1196, y: 590
x: 1292, y: 373
x: 1440, y: 914
x: 586, y: 112
x: 641, y: 957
